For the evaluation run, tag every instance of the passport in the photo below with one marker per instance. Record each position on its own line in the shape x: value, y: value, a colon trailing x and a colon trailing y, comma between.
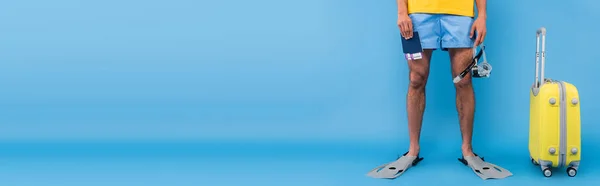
x: 412, y: 47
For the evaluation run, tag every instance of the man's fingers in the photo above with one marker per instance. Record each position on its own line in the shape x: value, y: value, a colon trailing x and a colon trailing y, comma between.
x: 410, y: 30
x: 478, y: 40
x: 472, y: 31
x: 406, y: 30
x: 403, y: 30
x: 483, y: 36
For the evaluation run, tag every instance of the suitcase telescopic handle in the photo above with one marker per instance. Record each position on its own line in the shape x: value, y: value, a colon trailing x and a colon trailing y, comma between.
x: 539, y: 71
x: 541, y: 30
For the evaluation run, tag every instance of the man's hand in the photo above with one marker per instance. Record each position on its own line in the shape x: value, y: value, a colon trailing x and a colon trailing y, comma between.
x: 479, y: 27
x: 405, y: 25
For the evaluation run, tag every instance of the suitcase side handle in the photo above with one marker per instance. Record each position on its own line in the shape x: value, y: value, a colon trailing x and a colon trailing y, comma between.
x: 539, y: 71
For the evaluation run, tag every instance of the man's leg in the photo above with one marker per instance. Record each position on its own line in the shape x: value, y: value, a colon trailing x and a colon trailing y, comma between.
x: 465, y: 105
x: 456, y: 39
x: 465, y: 96
x: 415, y: 99
x: 415, y: 104
x: 427, y: 25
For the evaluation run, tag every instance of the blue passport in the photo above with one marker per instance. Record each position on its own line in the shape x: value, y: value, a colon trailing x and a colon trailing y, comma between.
x: 412, y: 47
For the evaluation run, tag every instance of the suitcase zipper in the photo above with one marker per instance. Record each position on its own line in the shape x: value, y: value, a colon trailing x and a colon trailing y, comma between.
x: 563, y: 125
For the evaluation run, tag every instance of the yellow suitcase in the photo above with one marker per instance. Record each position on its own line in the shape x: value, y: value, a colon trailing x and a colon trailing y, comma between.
x: 554, y: 123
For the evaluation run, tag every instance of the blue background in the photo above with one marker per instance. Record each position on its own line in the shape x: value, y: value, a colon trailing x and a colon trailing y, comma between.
x: 266, y: 92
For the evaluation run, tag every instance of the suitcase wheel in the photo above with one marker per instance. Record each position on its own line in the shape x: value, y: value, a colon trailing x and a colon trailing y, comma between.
x: 571, y: 172
x: 533, y: 162
x: 547, y: 172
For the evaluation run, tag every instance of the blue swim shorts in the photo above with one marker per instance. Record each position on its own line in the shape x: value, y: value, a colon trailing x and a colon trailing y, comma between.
x: 443, y: 30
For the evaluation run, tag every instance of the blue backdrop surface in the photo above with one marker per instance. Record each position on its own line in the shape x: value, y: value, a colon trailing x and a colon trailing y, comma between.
x: 314, y: 85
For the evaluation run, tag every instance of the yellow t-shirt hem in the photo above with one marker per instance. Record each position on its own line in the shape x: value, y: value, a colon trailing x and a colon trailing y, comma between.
x: 440, y: 11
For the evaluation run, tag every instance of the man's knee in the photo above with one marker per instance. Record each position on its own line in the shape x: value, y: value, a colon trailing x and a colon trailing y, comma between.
x: 418, y: 80
x: 464, y: 83
x: 461, y: 58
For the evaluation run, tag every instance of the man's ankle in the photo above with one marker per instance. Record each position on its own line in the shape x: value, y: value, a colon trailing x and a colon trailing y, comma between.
x: 467, y: 150
x: 413, y: 151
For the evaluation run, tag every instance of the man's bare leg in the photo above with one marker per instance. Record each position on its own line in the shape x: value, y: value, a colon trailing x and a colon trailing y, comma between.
x: 415, y: 99
x: 465, y: 97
